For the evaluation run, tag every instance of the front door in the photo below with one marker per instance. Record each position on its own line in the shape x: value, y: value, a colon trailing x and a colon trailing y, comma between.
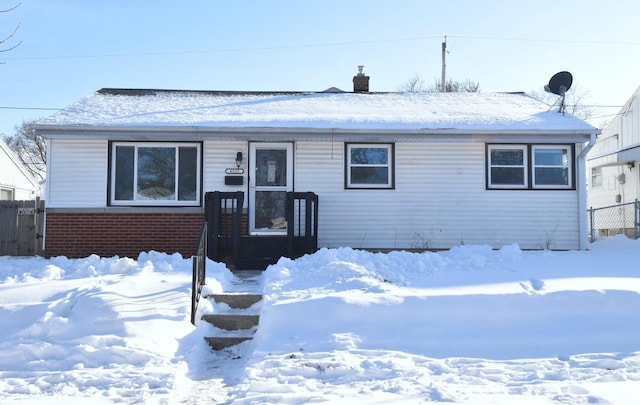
x: 270, y: 177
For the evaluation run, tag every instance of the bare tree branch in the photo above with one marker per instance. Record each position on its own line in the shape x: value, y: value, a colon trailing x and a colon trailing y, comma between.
x: 417, y: 85
x: 576, y: 101
x: 454, y: 86
x: 30, y: 148
x: 413, y: 85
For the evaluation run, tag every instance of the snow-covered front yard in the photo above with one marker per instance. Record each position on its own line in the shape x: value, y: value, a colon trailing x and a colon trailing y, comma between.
x: 470, y: 325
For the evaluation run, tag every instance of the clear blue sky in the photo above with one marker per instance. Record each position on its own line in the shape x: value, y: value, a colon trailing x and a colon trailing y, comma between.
x: 72, y: 48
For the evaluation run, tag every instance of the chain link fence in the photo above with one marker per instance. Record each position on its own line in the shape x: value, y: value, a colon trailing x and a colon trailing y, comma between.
x: 621, y: 219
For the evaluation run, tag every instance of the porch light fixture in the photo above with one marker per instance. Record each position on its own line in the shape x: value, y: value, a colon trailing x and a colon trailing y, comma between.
x: 630, y: 165
x: 238, y: 159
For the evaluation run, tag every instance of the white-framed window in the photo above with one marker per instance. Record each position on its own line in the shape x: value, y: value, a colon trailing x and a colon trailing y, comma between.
x: 552, y: 166
x: 530, y: 167
x: 369, y: 165
x: 6, y: 194
x: 507, y: 166
x: 596, y: 177
x: 150, y: 173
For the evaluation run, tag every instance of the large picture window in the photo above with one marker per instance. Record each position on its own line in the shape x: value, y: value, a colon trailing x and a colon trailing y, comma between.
x: 529, y: 166
x: 369, y: 166
x: 155, y: 174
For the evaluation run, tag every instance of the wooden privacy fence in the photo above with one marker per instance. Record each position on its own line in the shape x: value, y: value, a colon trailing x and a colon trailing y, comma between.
x: 21, y: 227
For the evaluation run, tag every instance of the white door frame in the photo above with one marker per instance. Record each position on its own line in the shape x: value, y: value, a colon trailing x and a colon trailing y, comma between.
x: 253, y: 146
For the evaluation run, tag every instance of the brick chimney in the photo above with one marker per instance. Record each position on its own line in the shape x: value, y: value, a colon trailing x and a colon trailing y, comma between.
x: 360, y: 81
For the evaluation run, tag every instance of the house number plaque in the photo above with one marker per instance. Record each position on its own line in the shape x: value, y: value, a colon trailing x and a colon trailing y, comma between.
x: 233, y: 170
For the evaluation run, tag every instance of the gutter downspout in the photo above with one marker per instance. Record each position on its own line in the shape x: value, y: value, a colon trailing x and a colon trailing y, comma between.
x: 583, y: 239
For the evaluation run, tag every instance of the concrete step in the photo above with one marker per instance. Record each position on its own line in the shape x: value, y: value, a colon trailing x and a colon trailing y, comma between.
x: 236, y: 301
x: 235, y: 326
x: 232, y: 321
x: 219, y: 343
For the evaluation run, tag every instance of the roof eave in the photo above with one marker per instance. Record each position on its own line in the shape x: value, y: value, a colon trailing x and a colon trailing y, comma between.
x: 61, y: 131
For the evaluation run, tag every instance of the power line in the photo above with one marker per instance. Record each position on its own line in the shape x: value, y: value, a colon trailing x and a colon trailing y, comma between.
x: 318, y: 45
x: 604, y: 116
x: 594, y: 106
x: 266, y: 48
x: 555, y: 40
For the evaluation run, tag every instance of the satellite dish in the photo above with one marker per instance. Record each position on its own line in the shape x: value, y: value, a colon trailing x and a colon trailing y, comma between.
x: 559, y: 83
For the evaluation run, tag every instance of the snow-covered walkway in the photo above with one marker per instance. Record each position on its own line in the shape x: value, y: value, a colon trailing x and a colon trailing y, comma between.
x: 470, y: 325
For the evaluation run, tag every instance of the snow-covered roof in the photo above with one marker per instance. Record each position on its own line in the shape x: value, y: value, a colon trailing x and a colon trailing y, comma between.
x: 500, y: 112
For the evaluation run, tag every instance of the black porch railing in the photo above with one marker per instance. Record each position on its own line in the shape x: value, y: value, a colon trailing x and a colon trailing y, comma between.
x: 199, y: 271
x: 220, y: 207
x: 229, y: 241
x: 302, y: 223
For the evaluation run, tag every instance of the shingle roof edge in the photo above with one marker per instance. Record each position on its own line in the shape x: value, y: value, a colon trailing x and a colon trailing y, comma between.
x: 146, y: 92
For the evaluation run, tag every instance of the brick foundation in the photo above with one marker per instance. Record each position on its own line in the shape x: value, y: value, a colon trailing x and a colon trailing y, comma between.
x: 108, y: 234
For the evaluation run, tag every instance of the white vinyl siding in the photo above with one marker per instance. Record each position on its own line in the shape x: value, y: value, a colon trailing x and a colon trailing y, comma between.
x: 440, y: 198
x: 618, y: 185
x: 68, y: 158
x: 623, y: 131
x: 439, y: 201
x: 219, y: 156
x: 14, y: 177
x: 77, y: 173
x: 620, y: 135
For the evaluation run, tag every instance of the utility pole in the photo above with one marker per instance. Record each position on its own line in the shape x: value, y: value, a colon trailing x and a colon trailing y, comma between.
x: 443, y: 85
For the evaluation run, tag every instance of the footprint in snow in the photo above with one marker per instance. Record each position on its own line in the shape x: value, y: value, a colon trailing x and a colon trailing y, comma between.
x: 533, y: 285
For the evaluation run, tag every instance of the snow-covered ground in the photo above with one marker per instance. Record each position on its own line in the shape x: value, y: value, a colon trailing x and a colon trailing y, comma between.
x: 470, y: 325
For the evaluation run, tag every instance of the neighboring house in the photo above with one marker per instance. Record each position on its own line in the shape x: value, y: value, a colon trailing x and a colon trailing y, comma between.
x: 16, y: 183
x: 614, y: 167
x: 128, y: 170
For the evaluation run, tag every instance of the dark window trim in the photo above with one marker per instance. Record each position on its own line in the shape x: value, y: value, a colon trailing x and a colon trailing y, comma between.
x: 392, y: 146
x: 199, y: 201
x: 530, y: 167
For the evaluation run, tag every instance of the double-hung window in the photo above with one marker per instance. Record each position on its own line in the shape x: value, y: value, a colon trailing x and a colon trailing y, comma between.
x: 508, y: 166
x: 551, y: 166
x: 155, y: 174
x: 6, y: 194
x: 369, y: 166
x: 529, y: 167
x: 596, y: 177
